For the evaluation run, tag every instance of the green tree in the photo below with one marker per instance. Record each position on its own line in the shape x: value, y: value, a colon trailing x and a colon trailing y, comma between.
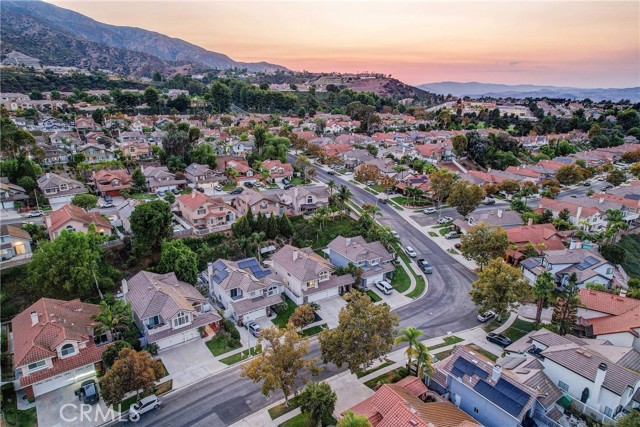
x: 411, y: 335
x: 111, y: 353
x: 203, y: 154
x: 115, y: 316
x: 179, y: 258
x: 459, y: 144
x: 613, y: 253
x: 14, y: 142
x: 132, y: 371
x: 542, y: 289
x: 351, y: 419
x: 616, y: 177
x: 566, y: 310
x: 632, y: 419
x: 98, y: 116
x: 220, y: 96
x: 615, y: 223
x: 482, y: 243
x: 498, y: 287
x: 28, y: 183
x: 364, y: 334
x: 151, y: 96
x: 318, y: 401
x: 285, y: 227
x: 441, y: 182
x: 139, y: 180
x: 151, y: 223
x: 571, y: 174
x: 465, y: 197
x: 85, y: 201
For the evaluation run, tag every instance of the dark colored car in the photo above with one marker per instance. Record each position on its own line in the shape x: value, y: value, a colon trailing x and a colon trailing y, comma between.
x: 586, y: 184
x: 237, y: 190
x: 331, y: 172
x: 108, y: 198
x: 424, y: 266
x: 288, y: 186
x: 88, y: 392
x: 248, y: 185
x: 383, y: 201
x: 175, y: 191
x: 200, y: 189
x: 501, y: 340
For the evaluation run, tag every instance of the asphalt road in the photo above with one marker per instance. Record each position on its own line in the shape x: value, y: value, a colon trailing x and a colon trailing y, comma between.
x: 226, y: 398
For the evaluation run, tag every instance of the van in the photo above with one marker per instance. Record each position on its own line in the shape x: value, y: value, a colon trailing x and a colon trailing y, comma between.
x: 385, y: 287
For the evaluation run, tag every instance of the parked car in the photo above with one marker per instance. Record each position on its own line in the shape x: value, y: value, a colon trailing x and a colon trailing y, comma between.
x: 411, y: 252
x: 160, y: 193
x: 383, y: 201
x: 395, y: 234
x: 217, y: 187
x: 108, y: 198
x: 288, y: 186
x: 143, y: 406
x: 424, y: 266
x: 248, y: 185
x: 607, y: 187
x: 501, y: 340
x: 486, y: 316
x: 88, y: 392
x: 237, y: 190
x: 586, y: 184
x: 430, y: 211
x: 348, y: 173
x: 489, y: 201
x: 444, y: 220
x: 331, y: 172
x: 452, y: 235
x: 175, y: 191
x: 200, y: 189
x: 384, y: 286
x: 601, y: 178
x: 106, y: 205
x: 34, y: 214
x: 254, y: 328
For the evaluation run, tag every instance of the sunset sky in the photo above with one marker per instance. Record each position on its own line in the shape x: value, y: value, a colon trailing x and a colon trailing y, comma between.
x: 564, y: 43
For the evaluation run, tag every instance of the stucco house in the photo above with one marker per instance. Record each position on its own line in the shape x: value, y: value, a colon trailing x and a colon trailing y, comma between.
x: 305, y: 199
x: 57, y: 189
x: 11, y: 193
x: 160, y: 179
x: 205, y: 213
x: 75, y: 219
x: 203, y: 176
x: 14, y: 242
x: 111, y: 182
x: 278, y: 171
x: 167, y: 311
x: 372, y: 258
x: 259, y: 202
x: 96, y: 153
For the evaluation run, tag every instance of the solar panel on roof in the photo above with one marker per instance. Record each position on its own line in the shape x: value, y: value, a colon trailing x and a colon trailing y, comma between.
x: 469, y: 368
x: 587, y: 262
x: 509, y: 402
x: 248, y: 263
x: 220, y: 276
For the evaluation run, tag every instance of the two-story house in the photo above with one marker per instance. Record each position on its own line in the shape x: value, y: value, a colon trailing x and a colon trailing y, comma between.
x: 136, y: 150
x: 242, y: 172
x: 307, y: 276
x: 372, y: 258
x: 96, y: 153
x: 85, y: 124
x: 278, y: 171
x: 587, y: 214
x: 202, y: 176
x: 58, y: 190
x: 14, y: 242
x: 167, y: 311
x: 305, y: 200
x: 54, y: 344
x: 431, y: 153
x: 160, y: 179
x: 205, y: 213
x: 597, y: 378
x: 75, y: 219
x: 111, y: 182
x: 541, y: 236
x: 10, y: 193
x: 245, y: 289
x: 259, y: 202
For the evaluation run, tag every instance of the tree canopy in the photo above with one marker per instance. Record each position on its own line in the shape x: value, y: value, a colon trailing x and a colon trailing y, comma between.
x: 151, y: 224
x: 498, y: 287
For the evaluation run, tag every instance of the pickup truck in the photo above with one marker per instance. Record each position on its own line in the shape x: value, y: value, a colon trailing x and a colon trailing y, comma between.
x: 424, y: 266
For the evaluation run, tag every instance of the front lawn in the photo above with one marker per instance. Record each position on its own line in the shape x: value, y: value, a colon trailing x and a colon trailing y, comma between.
x: 143, y: 196
x: 420, y: 285
x: 518, y: 329
x: 447, y: 341
x: 401, y: 281
x: 282, y: 318
x: 12, y: 416
x: 387, y: 378
x: 386, y: 363
x: 374, y: 297
x: 314, y: 330
x: 243, y: 355
x: 302, y: 420
x: 445, y: 354
x: 407, y: 201
x: 281, y: 409
x: 296, y: 181
x: 483, y: 352
x: 222, y: 343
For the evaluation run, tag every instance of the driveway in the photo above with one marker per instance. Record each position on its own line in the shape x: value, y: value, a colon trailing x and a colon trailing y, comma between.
x: 394, y: 299
x: 329, y: 309
x: 62, y: 408
x: 189, y: 362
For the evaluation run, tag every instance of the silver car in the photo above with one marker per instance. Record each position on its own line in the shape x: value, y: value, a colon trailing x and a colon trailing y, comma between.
x: 143, y: 406
x: 411, y: 252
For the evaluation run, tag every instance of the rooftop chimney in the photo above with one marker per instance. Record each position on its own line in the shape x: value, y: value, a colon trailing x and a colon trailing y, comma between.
x: 193, y: 193
x: 497, y: 373
x: 597, y: 383
x: 578, y: 214
x: 295, y: 254
x: 601, y: 200
x: 530, y: 223
x: 34, y: 318
x: 347, y: 241
x: 499, y: 213
x: 125, y: 287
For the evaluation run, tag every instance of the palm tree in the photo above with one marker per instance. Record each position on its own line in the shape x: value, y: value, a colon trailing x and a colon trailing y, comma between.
x: 115, y: 317
x: 351, y: 419
x: 386, y: 238
x: 542, y: 289
x: 423, y: 360
x: 616, y: 222
x: 344, y: 195
x: 370, y: 210
x: 331, y: 185
x: 409, y: 335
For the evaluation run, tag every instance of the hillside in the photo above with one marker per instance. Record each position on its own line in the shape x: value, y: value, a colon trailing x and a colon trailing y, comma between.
x: 475, y: 89
x: 50, y: 33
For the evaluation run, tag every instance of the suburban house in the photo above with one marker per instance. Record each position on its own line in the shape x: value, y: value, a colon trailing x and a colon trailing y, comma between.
x: 588, y: 265
x: 54, y: 155
x: 609, y: 317
x: 278, y: 171
x: 11, y: 193
x: 384, y: 166
x: 205, y: 213
x: 54, y: 344
x: 305, y: 200
x: 245, y: 289
x: 259, y: 202
x: 96, y: 153
x: 160, y: 179
x: 14, y: 242
x: 57, y: 189
x: 372, y: 258
x: 587, y: 214
x: 431, y: 153
x: 541, y: 236
x: 243, y: 173
x: 111, y: 182
x: 85, y: 124
x: 136, y: 150
x: 404, y: 404
x: 167, y: 310
x: 202, y: 176
x: 307, y: 276
x: 479, y: 387
x: 75, y: 219
x: 492, y: 218
x: 597, y: 378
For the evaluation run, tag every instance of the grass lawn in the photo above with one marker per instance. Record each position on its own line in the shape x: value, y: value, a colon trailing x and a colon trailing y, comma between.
x: 374, y: 297
x: 221, y: 344
x: 281, y: 409
x: 243, y: 355
x: 143, y: 196
x: 396, y: 206
x: 301, y: 420
x: 518, y: 329
x: 401, y: 281
x: 443, y: 230
x: 445, y: 354
x: 401, y: 200
x: 447, y: 341
x: 386, y: 363
x: 483, y: 352
x: 386, y: 378
x: 228, y: 187
x: 161, y: 389
x: 453, y: 251
x: 371, y: 190
x: 282, y: 319
x: 10, y: 412
x: 432, y: 234
x: 420, y: 285
x: 314, y: 330
x: 296, y: 181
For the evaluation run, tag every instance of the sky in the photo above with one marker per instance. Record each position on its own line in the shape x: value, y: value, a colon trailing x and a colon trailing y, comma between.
x: 564, y: 43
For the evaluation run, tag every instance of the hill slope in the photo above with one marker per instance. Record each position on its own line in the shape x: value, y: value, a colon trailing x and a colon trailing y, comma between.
x: 68, y: 25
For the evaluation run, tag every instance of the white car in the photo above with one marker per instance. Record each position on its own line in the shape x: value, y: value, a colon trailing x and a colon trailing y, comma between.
x: 385, y: 287
x: 429, y: 211
x: 411, y: 252
x: 143, y: 406
x: 35, y: 214
x: 395, y: 234
x: 444, y: 220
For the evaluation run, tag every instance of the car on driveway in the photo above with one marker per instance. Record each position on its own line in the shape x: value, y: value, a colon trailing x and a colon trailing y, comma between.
x: 501, y: 340
x: 106, y: 205
x: 444, y: 220
x: 486, y: 316
x: 254, y: 328
x: 107, y: 198
x: 452, y: 235
x: 88, y: 392
x: 411, y: 252
x: 217, y: 187
x: 430, y: 211
x: 34, y: 214
x: 288, y: 186
x: 384, y: 286
x: 143, y: 406
x: 248, y: 185
x: 425, y: 266
x: 237, y: 190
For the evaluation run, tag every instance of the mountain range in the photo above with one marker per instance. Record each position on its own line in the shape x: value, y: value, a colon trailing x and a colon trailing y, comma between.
x: 59, y: 36
x: 476, y: 90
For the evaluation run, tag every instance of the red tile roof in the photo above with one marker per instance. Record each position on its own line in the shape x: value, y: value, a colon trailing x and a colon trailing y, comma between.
x: 196, y: 199
x: 67, y: 213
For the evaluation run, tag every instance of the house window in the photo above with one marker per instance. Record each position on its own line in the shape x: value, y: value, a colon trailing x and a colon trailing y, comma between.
x: 324, y: 275
x: 202, y: 211
x: 608, y: 411
x: 35, y: 366
x: 476, y: 410
x: 100, y: 339
x: 64, y: 187
x: 235, y: 293
x: 309, y: 199
x: 609, y: 270
x: 67, y: 349
x: 50, y: 190
x: 310, y: 284
x: 182, y: 319
x: 272, y: 291
x: 263, y: 205
x: 70, y: 228
x: 563, y: 386
x: 153, y: 321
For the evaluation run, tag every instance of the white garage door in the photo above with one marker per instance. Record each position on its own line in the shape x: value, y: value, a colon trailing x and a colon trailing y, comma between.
x: 254, y: 315
x: 177, y: 339
x: 64, y: 380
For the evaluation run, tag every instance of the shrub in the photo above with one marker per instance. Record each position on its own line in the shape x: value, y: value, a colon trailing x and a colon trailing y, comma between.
x: 231, y: 329
x: 281, y: 307
x: 110, y: 355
